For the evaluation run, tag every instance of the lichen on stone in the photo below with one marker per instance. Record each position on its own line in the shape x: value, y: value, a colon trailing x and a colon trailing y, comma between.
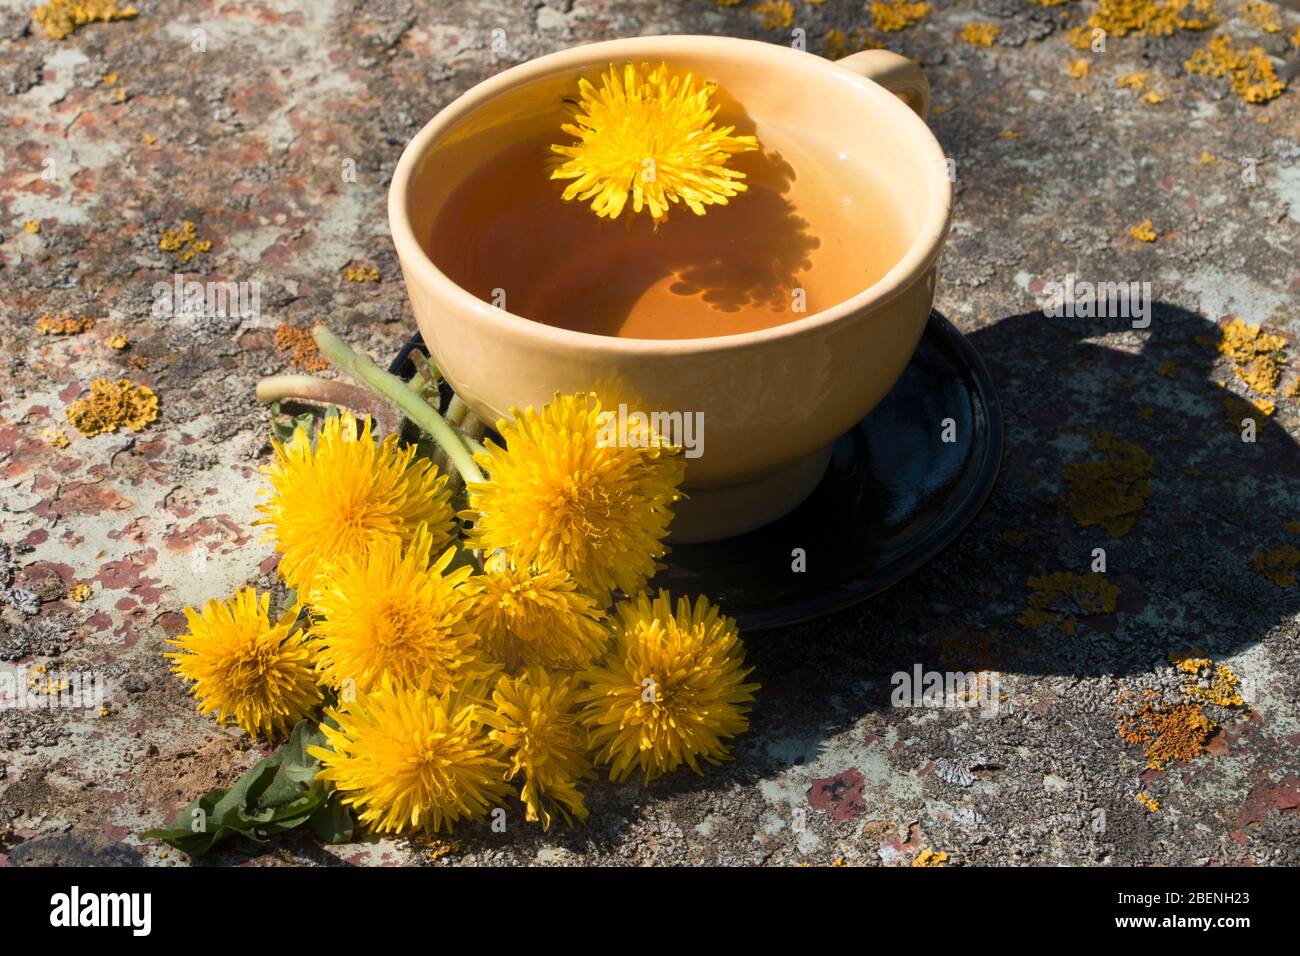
x: 64, y: 324
x: 980, y: 34
x: 1278, y: 565
x: 184, y: 242
x: 775, y: 14
x: 359, y: 272
x: 1145, y: 231
x: 1109, y: 491
x: 1077, y: 69
x: 1257, y: 356
x: 1212, y: 683
x: 1261, y: 16
x: 838, y: 44
x: 61, y: 18
x: 930, y: 858
x: 1057, y: 598
x: 113, y: 405
x: 1250, y: 70
x: 1148, y: 801
x: 1152, y: 17
x: 1166, y: 732
x: 891, y: 16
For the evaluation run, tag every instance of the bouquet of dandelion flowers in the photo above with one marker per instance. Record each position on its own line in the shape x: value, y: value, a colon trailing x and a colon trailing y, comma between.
x: 429, y: 665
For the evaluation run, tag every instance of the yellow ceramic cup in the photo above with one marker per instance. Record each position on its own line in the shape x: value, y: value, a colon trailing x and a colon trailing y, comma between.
x: 772, y: 401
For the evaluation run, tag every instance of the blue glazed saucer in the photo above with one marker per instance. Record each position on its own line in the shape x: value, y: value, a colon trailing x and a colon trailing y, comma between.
x: 895, y: 495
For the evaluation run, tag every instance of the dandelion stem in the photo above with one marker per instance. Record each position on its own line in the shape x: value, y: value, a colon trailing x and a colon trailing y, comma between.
x: 308, y: 388
x: 396, y: 391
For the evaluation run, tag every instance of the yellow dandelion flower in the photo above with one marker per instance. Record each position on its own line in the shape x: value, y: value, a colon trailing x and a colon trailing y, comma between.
x: 649, y: 135
x: 534, y: 722
x: 332, y: 501
x: 244, y: 668
x: 405, y: 757
x: 670, y: 691
x: 561, y: 495
x: 528, y: 615
x: 392, y: 611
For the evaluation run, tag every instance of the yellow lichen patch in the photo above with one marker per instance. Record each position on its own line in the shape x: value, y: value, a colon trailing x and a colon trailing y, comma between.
x: 54, y: 437
x: 1168, y: 369
x: 1292, y: 526
x: 1080, y: 38
x: 1261, y: 16
x: 60, y: 18
x: 1049, y: 3
x: 1009, y: 134
x: 1110, y: 491
x: 359, y: 272
x: 1054, y: 598
x: 1250, y: 71
x: 930, y: 858
x: 1206, y: 158
x: 776, y: 14
x: 32, y: 227
x: 184, y: 242
x: 980, y: 34
x: 1166, y: 733
x: 1148, y: 801
x: 64, y: 324
x: 1295, y: 37
x: 1152, y: 17
x: 891, y: 16
x: 840, y: 43
x: 113, y: 405
x: 728, y: 3
x: 80, y: 592
x: 1237, y: 410
x: 1146, y: 413
x: 148, y: 139
x: 1221, y: 682
x: 1145, y: 231
x: 1152, y: 97
x: 1257, y: 357
x: 1278, y: 565
x: 1133, y: 81
x: 117, y: 342
x: 839, y: 861
x: 1077, y: 69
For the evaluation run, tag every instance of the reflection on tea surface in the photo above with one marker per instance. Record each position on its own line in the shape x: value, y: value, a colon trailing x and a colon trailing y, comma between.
x: 795, y: 243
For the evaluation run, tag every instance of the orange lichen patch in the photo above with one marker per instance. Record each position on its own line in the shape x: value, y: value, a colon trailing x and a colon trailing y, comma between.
x: 1257, y: 357
x: 1133, y: 81
x: 839, y: 861
x: 776, y: 14
x: 1166, y: 733
x: 117, y: 342
x: 61, y: 18
x: 1013, y: 538
x: 890, y: 16
x: 1221, y: 683
x: 148, y: 139
x: 300, y: 346
x: 359, y: 272
x: 1295, y: 37
x: 32, y: 227
x: 1077, y: 69
x: 113, y: 405
x: 1152, y: 98
x: 1049, y: 3
x: 1250, y: 71
x: 109, y: 79
x: 1056, y: 598
x: 64, y: 324
x: 184, y: 242
x: 54, y: 437
x: 1261, y: 16
x: 1145, y: 231
x: 1148, y: 801
x: 80, y: 592
x: 120, y: 95
x: 1278, y: 565
x: 980, y: 34
x: 1168, y: 369
x: 1110, y: 491
x: 1206, y: 158
x: 930, y: 858
x: 1152, y: 17
x: 1294, y: 390
x: 840, y: 43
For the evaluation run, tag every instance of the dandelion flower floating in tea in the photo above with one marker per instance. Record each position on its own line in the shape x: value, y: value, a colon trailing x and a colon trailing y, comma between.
x: 649, y: 135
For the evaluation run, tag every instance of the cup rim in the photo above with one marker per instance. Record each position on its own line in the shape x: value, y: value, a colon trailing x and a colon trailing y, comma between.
x: 920, y: 255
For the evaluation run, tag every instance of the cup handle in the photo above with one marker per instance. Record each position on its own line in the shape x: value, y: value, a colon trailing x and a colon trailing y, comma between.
x: 895, y: 73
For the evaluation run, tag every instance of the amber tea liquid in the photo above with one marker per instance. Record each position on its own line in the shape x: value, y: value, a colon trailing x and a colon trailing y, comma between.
x: 805, y: 236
